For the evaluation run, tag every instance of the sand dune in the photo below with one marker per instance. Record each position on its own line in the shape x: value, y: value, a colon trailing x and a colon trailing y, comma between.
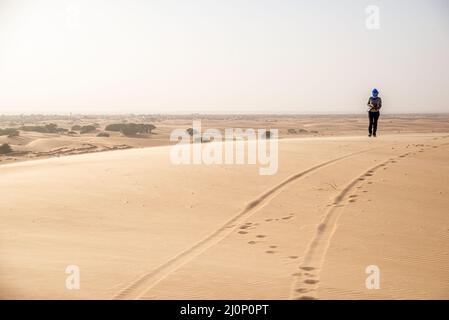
x: 141, y: 228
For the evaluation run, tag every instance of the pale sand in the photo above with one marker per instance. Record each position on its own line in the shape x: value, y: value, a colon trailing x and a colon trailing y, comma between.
x: 140, y: 227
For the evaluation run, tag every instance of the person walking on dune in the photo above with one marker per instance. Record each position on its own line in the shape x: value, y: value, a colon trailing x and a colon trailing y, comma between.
x: 374, y: 104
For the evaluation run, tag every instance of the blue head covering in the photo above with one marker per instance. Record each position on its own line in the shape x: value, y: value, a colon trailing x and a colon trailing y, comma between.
x: 375, y: 93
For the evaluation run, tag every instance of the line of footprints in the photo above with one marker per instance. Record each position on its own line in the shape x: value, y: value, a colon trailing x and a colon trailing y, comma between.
x: 308, y: 276
x: 271, y: 249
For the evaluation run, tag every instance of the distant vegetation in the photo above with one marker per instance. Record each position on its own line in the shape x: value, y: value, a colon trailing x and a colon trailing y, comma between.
x: 10, y: 132
x: 294, y: 131
x: 5, y: 148
x: 103, y: 134
x: 48, y: 128
x: 87, y: 129
x: 130, y: 129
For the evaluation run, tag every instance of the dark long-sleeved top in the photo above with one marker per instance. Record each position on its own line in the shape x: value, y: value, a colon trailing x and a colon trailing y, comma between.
x: 375, y: 104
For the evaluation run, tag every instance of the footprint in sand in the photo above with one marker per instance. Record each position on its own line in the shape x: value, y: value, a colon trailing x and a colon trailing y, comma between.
x: 352, y: 200
x: 308, y: 274
x: 302, y: 290
x: 243, y: 232
x: 307, y: 268
x: 273, y: 247
x: 270, y: 251
x: 293, y: 257
x: 311, y: 281
x: 261, y: 236
x: 307, y: 298
x: 268, y: 220
x: 252, y: 242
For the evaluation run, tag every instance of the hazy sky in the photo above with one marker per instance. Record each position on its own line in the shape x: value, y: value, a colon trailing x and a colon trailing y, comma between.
x: 264, y: 56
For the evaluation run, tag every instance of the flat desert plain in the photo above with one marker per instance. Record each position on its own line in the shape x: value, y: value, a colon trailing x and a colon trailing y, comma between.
x: 341, y: 208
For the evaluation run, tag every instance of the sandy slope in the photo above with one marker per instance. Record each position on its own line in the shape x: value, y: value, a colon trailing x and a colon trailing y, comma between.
x: 140, y: 227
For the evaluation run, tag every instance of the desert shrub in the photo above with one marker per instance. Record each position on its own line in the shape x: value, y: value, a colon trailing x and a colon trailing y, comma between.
x: 291, y: 131
x: 114, y: 127
x: 52, y: 128
x: 150, y: 127
x: 87, y: 129
x: 41, y: 129
x: 10, y: 132
x: 72, y: 133
x: 48, y: 128
x: 61, y: 130
x: 129, y: 129
x: 14, y: 133
x: 76, y: 127
x: 5, y: 148
x: 103, y: 134
x: 302, y: 131
x: 267, y: 134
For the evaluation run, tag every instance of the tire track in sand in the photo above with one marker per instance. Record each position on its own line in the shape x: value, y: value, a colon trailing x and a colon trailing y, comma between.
x: 140, y: 286
x: 307, y: 281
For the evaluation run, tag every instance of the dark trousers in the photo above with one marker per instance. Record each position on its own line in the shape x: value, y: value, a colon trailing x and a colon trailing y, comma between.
x: 373, y: 117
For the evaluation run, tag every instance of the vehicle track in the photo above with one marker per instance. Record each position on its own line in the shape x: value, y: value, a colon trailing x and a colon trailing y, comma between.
x: 306, y: 285
x: 140, y: 286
